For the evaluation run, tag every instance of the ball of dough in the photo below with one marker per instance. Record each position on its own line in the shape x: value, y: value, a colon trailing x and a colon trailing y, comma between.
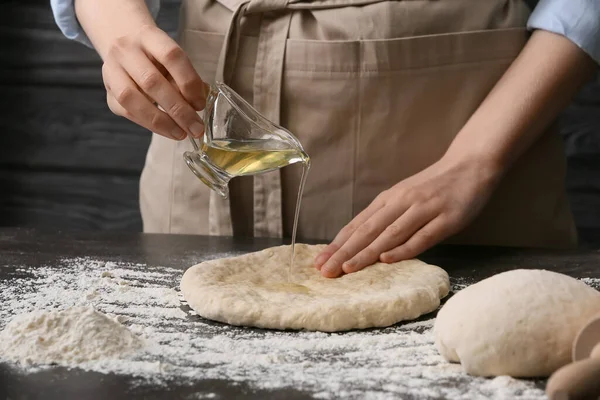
x: 520, y: 323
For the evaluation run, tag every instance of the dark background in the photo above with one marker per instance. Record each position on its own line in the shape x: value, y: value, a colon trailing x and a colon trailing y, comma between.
x: 67, y: 163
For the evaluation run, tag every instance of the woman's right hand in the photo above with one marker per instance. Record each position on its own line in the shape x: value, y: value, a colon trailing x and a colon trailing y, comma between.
x: 148, y: 69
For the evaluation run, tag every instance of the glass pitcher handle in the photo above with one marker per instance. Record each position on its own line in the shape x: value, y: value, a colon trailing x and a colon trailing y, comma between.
x: 196, y: 147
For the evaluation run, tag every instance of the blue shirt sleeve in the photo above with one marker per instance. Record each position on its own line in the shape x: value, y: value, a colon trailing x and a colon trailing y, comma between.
x: 64, y: 15
x: 577, y: 20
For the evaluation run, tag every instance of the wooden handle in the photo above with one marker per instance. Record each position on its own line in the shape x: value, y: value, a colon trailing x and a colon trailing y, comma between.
x: 587, y: 339
x: 596, y: 352
x: 580, y: 380
x: 576, y: 381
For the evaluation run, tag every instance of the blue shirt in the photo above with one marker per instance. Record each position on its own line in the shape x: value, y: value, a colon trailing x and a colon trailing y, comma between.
x: 578, y: 20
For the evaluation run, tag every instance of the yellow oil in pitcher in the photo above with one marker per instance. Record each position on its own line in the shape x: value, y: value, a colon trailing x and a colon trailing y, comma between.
x: 251, y: 156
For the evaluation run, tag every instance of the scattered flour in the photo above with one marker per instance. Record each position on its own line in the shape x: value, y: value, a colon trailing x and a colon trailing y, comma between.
x: 459, y: 284
x: 395, y: 362
x: 593, y: 282
x: 68, y: 337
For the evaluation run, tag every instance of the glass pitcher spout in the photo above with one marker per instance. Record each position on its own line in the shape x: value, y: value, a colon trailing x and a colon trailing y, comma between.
x: 239, y: 141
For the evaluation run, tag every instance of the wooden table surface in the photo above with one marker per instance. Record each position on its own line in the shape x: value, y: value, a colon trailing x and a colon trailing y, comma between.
x: 32, y: 249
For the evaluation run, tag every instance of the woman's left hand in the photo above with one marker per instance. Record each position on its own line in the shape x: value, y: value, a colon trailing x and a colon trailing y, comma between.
x: 411, y: 217
x: 439, y: 201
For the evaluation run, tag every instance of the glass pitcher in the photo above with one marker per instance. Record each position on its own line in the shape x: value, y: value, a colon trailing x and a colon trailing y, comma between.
x: 238, y: 141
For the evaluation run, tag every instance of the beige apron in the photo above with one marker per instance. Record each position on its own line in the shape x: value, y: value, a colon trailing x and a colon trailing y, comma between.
x: 375, y: 91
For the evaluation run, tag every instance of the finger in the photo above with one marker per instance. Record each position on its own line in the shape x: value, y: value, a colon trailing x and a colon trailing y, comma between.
x: 161, y: 120
x: 394, y: 235
x: 153, y: 83
x: 346, y: 232
x: 125, y: 99
x: 428, y: 236
x: 172, y: 57
x: 362, y: 237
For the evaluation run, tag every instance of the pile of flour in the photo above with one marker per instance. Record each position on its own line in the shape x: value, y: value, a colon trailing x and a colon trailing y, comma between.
x: 68, y: 337
x: 395, y: 362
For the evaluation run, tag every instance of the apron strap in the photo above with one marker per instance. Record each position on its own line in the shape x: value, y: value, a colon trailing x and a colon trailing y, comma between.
x: 229, y: 51
x: 268, y: 218
x: 268, y: 76
x: 272, y: 5
x: 219, y: 209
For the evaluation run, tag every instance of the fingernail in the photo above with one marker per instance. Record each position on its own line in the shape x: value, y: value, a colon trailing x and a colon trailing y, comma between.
x: 200, y: 104
x: 348, y: 266
x: 178, y: 134
x: 197, y: 129
x: 330, y: 272
x: 321, y: 259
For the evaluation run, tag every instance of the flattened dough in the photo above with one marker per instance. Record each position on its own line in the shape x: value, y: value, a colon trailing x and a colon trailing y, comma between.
x: 252, y: 290
x: 520, y: 323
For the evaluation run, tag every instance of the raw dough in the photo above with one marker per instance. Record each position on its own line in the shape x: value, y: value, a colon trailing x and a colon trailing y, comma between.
x: 252, y: 290
x: 520, y: 323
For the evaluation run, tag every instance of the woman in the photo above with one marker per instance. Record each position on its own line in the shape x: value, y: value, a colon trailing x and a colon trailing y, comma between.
x: 425, y: 120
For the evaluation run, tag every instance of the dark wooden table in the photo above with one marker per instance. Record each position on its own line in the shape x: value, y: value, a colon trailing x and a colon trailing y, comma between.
x: 33, y: 249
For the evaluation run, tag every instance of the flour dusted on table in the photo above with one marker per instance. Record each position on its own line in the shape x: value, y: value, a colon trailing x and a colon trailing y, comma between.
x: 75, y: 335
x: 182, y: 349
